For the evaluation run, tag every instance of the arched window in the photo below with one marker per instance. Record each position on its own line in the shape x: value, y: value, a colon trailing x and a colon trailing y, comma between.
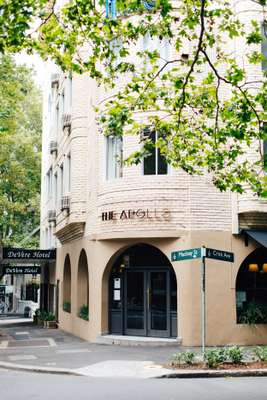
x: 67, y: 285
x: 83, y: 287
x: 251, y: 288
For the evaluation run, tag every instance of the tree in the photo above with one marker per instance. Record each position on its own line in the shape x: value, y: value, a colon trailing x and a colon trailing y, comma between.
x: 207, y: 109
x: 20, y: 149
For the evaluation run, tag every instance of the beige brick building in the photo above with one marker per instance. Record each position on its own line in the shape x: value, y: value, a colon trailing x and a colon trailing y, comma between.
x: 115, y: 228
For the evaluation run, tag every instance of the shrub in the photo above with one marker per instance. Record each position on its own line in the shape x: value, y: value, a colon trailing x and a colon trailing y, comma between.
x: 177, y: 358
x: 84, y: 312
x: 186, y: 357
x: 261, y: 353
x: 189, y: 357
x: 214, y: 357
x: 49, y: 316
x: 67, y: 306
x: 42, y: 315
x: 236, y: 354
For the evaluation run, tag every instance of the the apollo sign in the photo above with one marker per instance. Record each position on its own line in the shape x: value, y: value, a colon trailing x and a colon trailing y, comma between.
x: 138, y: 214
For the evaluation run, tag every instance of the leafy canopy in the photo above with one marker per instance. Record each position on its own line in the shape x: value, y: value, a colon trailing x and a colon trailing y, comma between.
x: 20, y: 150
x: 200, y: 97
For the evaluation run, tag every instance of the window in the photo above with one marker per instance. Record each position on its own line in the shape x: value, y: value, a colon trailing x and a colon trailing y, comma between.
x: 111, y: 9
x: 114, y: 157
x: 49, y: 187
x: 68, y: 174
x: 251, y: 289
x: 163, y: 46
x: 57, y: 117
x: 55, y: 191
x: 61, y: 183
x: 68, y: 94
x: 264, y: 46
x: 154, y: 163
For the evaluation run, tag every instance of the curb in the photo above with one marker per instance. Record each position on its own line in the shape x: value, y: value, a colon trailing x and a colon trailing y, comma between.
x: 38, y: 369
x: 184, y: 374
x: 187, y: 374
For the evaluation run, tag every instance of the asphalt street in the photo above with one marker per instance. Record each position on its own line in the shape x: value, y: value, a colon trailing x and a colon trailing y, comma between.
x: 22, y: 386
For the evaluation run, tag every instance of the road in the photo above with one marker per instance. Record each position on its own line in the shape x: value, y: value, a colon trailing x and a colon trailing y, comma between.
x: 27, y: 386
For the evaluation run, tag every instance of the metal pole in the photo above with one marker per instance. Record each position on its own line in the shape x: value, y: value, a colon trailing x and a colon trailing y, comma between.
x: 203, y: 299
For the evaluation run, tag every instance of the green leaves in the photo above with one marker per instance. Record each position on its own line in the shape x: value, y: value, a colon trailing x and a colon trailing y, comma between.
x: 185, y: 71
x: 20, y: 149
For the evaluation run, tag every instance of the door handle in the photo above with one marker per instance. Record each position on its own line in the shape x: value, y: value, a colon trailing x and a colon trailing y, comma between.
x: 148, y: 298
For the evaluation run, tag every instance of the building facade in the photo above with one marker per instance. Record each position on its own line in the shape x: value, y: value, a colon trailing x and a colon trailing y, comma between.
x: 116, y: 226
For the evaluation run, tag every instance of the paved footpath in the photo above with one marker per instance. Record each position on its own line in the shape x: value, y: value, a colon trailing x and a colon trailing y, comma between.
x: 25, y: 346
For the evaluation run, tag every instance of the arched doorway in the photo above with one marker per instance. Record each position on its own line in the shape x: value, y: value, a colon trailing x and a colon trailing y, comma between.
x: 143, y: 294
x: 251, y: 288
x: 67, y: 285
x: 83, y: 287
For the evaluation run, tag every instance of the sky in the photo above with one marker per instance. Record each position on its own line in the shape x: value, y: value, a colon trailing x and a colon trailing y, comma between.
x: 41, y: 68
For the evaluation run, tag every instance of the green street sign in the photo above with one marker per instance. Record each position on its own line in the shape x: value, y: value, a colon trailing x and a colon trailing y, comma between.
x: 220, y: 255
x: 189, y: 254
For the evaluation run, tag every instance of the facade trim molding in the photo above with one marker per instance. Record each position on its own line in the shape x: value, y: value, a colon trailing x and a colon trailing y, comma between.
x: 70, y: 232
x: 155, y: 234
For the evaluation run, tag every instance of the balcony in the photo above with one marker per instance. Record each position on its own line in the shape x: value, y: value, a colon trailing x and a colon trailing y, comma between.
x: 51, y: 215
x: 53, y: 147
x: 65, y: 203
x: 66, y: 121
x: 55, y: 80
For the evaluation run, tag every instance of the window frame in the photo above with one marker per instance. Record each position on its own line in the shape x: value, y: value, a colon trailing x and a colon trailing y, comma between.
x: 157, y: 153
x: 117, y: 168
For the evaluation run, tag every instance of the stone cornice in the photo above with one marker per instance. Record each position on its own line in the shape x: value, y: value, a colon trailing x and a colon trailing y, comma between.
x: 72, y: 231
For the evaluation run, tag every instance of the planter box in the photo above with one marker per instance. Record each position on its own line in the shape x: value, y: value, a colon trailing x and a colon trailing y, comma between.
x: 50, y: 324
x: 39, y: 322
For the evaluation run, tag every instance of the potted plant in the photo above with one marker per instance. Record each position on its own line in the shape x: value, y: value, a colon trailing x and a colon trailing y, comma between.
x: 67, y: 306
x: 50, y: 321
x: 84, y: 312
x: 39, y: 317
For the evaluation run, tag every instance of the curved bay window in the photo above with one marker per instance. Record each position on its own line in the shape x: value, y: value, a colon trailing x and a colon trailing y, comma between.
x: 251, y: 289
x: 143, y: 294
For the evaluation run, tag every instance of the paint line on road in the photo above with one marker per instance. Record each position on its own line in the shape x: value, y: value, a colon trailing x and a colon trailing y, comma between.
x: 22, y: 357
x: 51, y: 342
x: 73, y: 351
x: 22, y: 333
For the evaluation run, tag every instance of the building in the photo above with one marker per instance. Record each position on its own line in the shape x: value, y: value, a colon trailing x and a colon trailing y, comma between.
x: 115, y: 229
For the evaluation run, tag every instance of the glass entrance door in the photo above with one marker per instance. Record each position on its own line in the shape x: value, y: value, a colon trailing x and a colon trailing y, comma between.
x: 158, y: 304
x: 135, y: 303
x: 147, y: 303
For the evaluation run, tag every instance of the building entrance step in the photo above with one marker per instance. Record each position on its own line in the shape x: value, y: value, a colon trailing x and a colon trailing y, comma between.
x: 122, y: 340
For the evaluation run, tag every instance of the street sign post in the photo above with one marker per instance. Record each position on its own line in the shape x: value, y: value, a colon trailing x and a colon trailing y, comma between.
x: 203, y: 253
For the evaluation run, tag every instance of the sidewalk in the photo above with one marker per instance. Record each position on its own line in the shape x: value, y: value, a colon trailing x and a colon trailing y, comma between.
x: 24, y: 346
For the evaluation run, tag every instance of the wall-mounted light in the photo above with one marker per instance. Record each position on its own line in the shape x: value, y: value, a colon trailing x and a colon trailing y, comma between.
x: 253, y: 268
x: 264, y: 268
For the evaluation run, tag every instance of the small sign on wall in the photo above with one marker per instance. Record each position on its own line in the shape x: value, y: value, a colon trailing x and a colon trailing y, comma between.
x: 117, y: 283
x: 117, y: 295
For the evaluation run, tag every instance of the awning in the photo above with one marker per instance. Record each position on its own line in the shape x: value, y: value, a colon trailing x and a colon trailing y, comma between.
x: 259, y: 236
